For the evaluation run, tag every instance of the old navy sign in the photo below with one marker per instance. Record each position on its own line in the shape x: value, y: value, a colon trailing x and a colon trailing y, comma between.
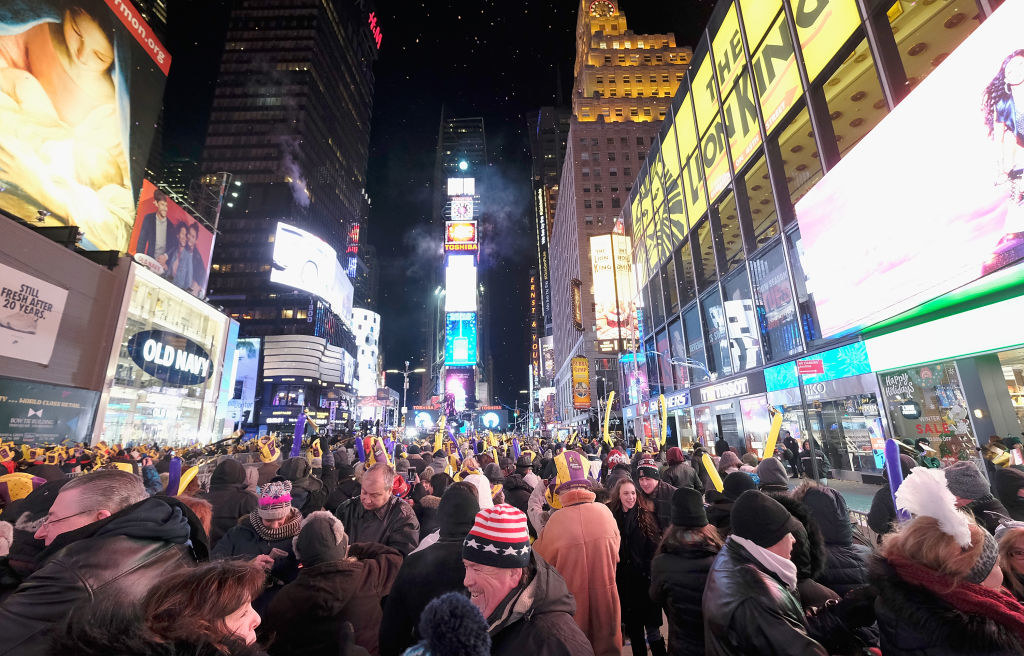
x: 170, y: 357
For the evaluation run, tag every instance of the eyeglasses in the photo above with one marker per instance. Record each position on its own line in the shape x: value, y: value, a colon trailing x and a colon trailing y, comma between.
x: 50, y: 520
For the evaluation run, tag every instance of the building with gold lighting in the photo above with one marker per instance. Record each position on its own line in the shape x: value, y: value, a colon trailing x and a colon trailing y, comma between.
x: 623, y: 85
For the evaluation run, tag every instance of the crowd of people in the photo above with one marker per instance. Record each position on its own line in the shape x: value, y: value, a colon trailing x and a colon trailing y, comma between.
x: 374, y: 546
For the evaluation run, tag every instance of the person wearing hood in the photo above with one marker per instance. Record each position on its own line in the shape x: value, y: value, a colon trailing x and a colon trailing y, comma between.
x: 517, y: 489
x: 338, y: 583
x: 229, y: 496
x: 1009, y: 485
x: 846, y: 565
x: 525, y: 601
x: 439, y: 461
x: 720, y: 512
x: 429, y: 572
x: 729, y: 463
x: 680, y: 569
x: 26, y: 515
x: 824, y: 467
x: 973, y: 494
x: 347, y: 487
x: 679, y: 472
x: 107, y: 542
x: 722, y: 447
x: 882, y: 514
x: 771, y: 476
x: 308, y: 492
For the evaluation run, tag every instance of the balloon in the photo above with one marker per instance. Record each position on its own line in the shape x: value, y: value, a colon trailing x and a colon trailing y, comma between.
x: 773, y: 436
x: 664, y: 418
x: 607, y: 416
x: 709, y: 467
x: 892, y: 467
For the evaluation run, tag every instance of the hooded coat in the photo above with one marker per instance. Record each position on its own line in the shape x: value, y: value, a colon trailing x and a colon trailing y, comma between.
x: 581, y: 541
x: 846, y: 565
x: 229, y: 496
x: 678, y: 576
x: 426, y: 514
x: 308, y: 492
x: 1007, y: 483
x: 244, y: 541
x: 682, y: 475
x: 305, y: 615
x: 517, y: 492
x: 114, y: 562
x: 537, y: 619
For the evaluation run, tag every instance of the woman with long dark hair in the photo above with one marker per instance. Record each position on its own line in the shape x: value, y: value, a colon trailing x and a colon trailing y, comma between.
x: 641, y: 534
x: 1003, y: 108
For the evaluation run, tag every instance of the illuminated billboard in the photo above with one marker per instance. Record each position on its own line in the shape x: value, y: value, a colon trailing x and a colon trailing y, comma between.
x: 460, y: 338
x: 580, y: 383
x: 547, y: 356
x: 460, y: 236
x: 462, y: 208
x: 461, y: 186
x: 614, y: 300
x: 458, y: 381
x: 83, y: 85
x: 929, y: 200
x: 170, y: 242
x: 304, y: 261
x: 460, y: 284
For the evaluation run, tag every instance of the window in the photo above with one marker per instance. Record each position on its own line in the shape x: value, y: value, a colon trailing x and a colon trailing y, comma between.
x: 584, y: 156
x: 587, y: 204
x: 589, y: 220
x: 799, y: 159
x: 715, y: 328
x: 613, y: 172
x: 616, y: 203
x: 684, y: 273
x: 705, y: 264
x: 288, y: 313
x: 639, y: 141
x: 773, y: 303
x: 694, y: 341
x: 855, y: 99
x: 804, y: 300
x: 628, y: 172
x: 732, y: 243
x: 939, y: 27
x: 669, y: 287
x: 600, y: 204
x: 611, y: 156
x: 611, y: 141
x: 762, y: 203
x: 597, y: 187
x: 741, y: 321
x: 585, y: 173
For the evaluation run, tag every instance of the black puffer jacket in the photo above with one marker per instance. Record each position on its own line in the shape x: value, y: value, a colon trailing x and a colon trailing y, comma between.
x: 229, y: 497
x: 1007, y: 482
x: 809, y: 553
x: 678, y: 575
x: 987, y: 510
x: 346, y: 488
x: 537, y: 619
x: 114, y: 562
x: 912, y: 621
x: 748, y: 610
x: 846, y: 566
x: 244, y: 541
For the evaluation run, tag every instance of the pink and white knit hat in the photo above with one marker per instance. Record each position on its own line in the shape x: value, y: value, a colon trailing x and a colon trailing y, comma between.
x: 275, y: 500
x: 499, y: 538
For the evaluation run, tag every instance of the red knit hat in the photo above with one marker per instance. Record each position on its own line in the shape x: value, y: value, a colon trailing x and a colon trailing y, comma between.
x: 499, y: 538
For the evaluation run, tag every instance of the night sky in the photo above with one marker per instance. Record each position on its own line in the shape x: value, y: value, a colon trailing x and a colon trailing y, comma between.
x: 498, y: 60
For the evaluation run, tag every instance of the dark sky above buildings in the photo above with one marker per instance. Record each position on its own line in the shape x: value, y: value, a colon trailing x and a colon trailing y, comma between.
x: 488, y: 58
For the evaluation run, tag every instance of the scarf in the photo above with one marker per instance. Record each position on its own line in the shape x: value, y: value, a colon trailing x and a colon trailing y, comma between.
x: 287, y: 530
x: 782, y: 567
x: 970, y: 598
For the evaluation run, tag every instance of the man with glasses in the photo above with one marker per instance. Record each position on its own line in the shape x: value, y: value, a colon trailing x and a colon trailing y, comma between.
x: 107, y: 542
x: 378, y: 515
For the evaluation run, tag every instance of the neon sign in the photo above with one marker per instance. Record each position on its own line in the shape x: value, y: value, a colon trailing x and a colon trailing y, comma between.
x: 373, y: 28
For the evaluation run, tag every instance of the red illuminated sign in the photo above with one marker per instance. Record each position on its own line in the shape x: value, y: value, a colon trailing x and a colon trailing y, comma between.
x: 460, y: 232
x: 809, y: 367
x: 374, y: 28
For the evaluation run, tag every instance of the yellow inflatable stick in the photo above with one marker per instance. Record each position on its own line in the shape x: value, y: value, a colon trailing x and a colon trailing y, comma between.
x: 709, y: 467
x: 773, y: 436
x: 664, y: 418
x: 607, y: 416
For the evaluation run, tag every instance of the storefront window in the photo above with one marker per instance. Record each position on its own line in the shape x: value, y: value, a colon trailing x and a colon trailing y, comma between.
x: 678, y: 352
x: 669, y: 287
x: 694, y: 342
x: 926, y: 32
x: 289, y: 395
x: 744, y: 336
x: 805, y: 301
x: 685, y: 434
x: 756, y: 423
x: 855, y: 100
x: 799, y: 157
x: 718, y: 338
x: 706, y: 264
x: 731, y: 242
x: 773, y: 304
x: 684, y: 273
x: 762, y: 203
x: 1013, y: 370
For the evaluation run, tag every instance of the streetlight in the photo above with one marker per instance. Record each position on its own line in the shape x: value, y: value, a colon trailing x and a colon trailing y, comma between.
x: 405, y: 386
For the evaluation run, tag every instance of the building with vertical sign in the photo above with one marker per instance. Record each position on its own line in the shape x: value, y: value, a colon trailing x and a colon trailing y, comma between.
x: 623, y: 84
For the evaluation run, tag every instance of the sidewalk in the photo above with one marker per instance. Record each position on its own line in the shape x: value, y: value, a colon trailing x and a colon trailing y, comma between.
x: 858, y: 495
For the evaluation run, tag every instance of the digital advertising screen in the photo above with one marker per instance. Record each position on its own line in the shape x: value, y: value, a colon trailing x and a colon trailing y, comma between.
x: 82, y: 86
x: 580, y: 383
x: 170, y: 242
x: 933, y: 197
x: 460, y: 236
x: 547, y: 356
x: 614, y: 304
x: 493, y: 420
x: 462, y: 208
x: 459, y: 382
x: 37, y: 413
x: 460, y: 338
x: 304, y: 261
x: 460, y: 283
x: 461, y: 186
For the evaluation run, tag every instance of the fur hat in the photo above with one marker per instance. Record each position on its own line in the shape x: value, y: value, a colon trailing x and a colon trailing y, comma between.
x: 321, y: 539
x: 275, y: 500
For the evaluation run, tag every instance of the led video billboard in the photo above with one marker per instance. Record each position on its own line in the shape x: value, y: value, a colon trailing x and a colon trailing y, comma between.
x: 170, y: 242
x: 460, y: 284
x: 614, y: 300
x: 304, y: 261
x: 459, y: 383
x: 82, y: 86
x: 460, y: 338
x: 933, y: 197
x: 461, y: 186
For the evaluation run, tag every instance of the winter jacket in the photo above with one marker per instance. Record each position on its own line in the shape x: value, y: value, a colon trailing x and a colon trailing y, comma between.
x: 913, y: 621
x: 809, y: 553
x: 426, y: 514
x: 305, y: 615
x: 229, y: 497
x: 346, y: 488
x: 581, y: 541
x: 720, y: 513
x: 823, y: 465
x: 662, y: 498
x: 244, y: 541
x: 537, y: 619
x: 308, y: 492
x: 399, y: 527
x: 846, y: 565
x: 268, y: 470
x: 1007, y: 483
x: 678, y: 576
x: 113, y: 562
x: 517, y: 492
x: 749, y: 610
x: 682, y: 475
x: 986, y: 511
x: 882, y: 514
x: 424, y: 576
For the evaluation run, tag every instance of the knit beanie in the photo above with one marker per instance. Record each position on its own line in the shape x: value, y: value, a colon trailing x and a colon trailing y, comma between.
x: 499, y: 538
x: 771, y: 472
x: 736, y: 484
x: 275, y: 500
x: 760, y: 519
x: 675, y: 456
x: 493, y: 473
x: 616, y: 457
x: 451, y: 624
x: 965, y: 480
x: 688, y: 508
x: 321, y: 539
x: 987, y: 560
x: 457, y: 510
x: 648, y: 468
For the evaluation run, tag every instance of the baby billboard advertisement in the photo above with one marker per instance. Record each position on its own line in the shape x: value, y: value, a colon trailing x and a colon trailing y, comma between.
x: 81, y: 84
x: 933, y: 197
x: 171, y: 242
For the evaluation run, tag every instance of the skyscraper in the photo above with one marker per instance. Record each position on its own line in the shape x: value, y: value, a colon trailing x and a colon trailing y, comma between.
x: 623, y: 86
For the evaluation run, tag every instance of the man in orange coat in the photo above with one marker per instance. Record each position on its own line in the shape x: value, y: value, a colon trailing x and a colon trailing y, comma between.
x: 581, y: 541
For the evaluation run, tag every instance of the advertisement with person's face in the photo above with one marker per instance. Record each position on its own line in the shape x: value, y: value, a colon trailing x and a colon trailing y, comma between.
x: 170, y: 242
x: 81, y: 84
x: 459, y: 383
x: 933, y: 197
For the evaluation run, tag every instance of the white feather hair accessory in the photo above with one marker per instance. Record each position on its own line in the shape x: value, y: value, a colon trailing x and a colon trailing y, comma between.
x: 924, y: 493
